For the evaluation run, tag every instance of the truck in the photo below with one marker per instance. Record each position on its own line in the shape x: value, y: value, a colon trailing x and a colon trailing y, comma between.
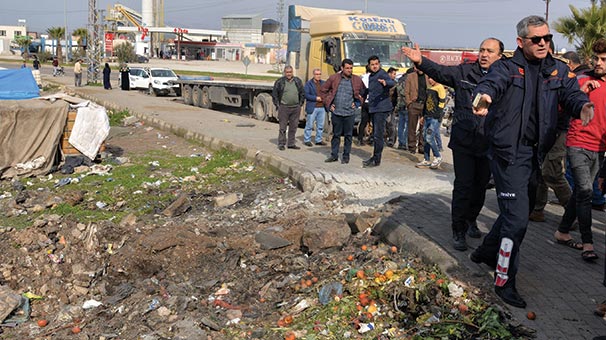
x: 317, y: 38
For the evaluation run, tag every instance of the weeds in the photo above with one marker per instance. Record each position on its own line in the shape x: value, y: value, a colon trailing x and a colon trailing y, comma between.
x: 146, y: 185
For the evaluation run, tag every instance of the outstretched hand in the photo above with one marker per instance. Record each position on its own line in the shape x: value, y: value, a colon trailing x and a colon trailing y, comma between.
x: 413, y: 54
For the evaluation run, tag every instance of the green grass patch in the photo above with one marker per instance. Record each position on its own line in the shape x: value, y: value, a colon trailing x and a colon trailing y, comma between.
x: 116, y: 117
x: 146, y: 185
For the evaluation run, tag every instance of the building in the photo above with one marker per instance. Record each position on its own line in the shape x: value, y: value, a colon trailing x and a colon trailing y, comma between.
x: 260, y: 38
x: 243, y: 29
x: 8, y: 34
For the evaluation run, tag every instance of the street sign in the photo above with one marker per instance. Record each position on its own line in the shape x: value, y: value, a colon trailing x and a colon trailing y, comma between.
x: 246, y: 62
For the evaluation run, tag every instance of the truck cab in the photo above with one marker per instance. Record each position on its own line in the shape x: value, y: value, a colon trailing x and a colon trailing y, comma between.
x: 322, y: 38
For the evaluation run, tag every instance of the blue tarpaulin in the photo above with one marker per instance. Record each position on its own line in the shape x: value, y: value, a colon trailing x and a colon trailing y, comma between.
x: 18, y: 84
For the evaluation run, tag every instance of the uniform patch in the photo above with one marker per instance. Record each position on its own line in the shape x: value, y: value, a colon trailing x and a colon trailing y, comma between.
x: 571, y: 75
x: 554, y: 73
x: 521, y: 70
x: 507, y: 195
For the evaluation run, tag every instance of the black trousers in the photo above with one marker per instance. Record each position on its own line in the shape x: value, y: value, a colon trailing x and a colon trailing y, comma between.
x: 378, y: 131
x: 516, y: 191
x: 341, y: 126
x: 472, y: 173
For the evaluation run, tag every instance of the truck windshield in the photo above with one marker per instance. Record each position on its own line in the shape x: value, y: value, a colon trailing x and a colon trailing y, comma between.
x: 389, y: 52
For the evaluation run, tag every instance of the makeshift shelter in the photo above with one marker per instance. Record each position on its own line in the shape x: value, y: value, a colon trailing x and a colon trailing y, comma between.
x: 18, y: 84
x: 31, y: 132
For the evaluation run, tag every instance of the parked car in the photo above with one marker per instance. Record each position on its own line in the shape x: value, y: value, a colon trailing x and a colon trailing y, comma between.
x: 160, y: 81
x: 138, y: 78
x: 142, y: 59
x: 155, y: 80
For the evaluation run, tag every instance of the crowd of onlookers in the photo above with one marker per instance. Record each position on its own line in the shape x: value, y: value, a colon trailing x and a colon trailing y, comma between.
x: 526, y: 120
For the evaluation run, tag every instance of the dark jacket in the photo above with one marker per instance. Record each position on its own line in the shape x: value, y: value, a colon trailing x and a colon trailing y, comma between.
x: 330, y: 87
x: 509, y: 112
x: 378, y: 95
x: 311, y: 95
x: 278, y: 91
x: 467, y: 134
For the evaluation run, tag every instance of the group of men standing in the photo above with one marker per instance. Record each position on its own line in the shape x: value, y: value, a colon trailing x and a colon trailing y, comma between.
x: 508, y: 115
x: 341, y: 95
x: 528, y: 101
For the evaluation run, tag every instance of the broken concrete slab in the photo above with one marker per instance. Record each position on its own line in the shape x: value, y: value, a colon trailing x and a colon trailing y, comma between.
x: 9, y: 300
x: 178, y: 207
x: 325, y: 233
x: 226, y: 200
x: 270, y: 242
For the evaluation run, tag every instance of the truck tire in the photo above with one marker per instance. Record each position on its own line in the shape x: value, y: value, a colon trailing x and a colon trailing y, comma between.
x: 264, y: 107
x: 187, y: 94
x: 205, y: 102
x: 196, y: 96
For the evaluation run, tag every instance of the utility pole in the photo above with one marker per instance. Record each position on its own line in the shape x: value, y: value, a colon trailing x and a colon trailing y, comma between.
x: 65, y: 25
x: 93, y: 50
x: 280, y: 12
x: 547, y: 10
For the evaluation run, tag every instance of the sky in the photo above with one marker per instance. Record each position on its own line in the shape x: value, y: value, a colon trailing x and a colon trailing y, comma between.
x: 430, y: 23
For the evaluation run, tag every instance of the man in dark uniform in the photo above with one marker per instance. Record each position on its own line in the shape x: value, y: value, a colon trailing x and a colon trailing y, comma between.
x: 468, y: 143
x: 379, y: 107
x: 521, y: 97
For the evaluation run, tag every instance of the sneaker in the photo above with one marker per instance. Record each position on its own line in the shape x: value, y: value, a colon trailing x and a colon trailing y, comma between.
x: 436, y: 163
x: 423, y: 164
x: 308, y: 144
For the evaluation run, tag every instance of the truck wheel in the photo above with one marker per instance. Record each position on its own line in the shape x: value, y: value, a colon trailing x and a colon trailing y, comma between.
x: 151, y: 91
x: 205, y: 99
x: 196, y: 96
x: 263, y: 108
x: 187, y: 94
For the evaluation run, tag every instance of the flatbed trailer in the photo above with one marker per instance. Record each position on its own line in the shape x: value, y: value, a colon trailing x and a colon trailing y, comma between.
x: 208, y: 93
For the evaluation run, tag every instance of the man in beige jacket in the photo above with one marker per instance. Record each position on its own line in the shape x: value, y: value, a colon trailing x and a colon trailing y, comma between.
x: 414, y: 97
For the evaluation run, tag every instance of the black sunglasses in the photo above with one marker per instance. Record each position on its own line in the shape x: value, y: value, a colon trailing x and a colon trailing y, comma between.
x: 537, y: 40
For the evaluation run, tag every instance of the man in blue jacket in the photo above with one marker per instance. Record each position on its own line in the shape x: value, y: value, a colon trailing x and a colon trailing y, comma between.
x: 520, y: 97
x: 379, y: 107
x: 467, y: 141
x: 314, y: 108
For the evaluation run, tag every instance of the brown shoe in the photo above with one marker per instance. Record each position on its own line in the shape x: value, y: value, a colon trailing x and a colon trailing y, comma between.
x: 537, y: 216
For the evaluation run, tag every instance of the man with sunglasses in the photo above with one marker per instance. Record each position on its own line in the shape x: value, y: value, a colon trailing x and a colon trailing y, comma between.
x: 520, y: 97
